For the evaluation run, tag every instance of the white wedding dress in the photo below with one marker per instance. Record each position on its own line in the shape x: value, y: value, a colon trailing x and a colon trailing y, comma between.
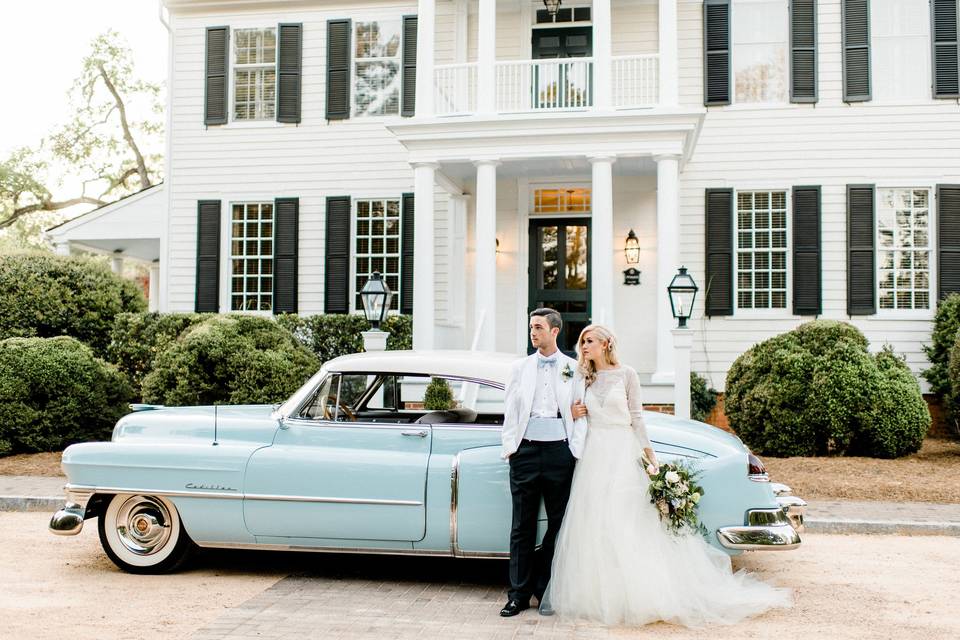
x: 614, y: 561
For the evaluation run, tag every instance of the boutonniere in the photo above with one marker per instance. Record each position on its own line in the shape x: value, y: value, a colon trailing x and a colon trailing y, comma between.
x: 567, y: 372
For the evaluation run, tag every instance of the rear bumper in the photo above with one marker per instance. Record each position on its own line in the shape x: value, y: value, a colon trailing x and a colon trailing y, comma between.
x: 776, y: 529
x: 68, y: 521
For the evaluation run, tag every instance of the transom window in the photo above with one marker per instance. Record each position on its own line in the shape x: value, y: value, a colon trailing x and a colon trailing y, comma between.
x: 564, y: 14
x: 376, y: 74
x: 903, y: 248
x: 251, y: 257
x: 254, y: 74
x: 562, y: 200
x: 377, y: 245
x: 759, y: 35
x: 762, y: 249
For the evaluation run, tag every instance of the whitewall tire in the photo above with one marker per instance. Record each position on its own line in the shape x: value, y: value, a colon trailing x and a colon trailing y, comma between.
x: 144, y: 534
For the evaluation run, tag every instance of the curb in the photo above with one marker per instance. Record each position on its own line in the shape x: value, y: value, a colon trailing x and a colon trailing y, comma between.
x: 30, y: 503
x: 883, y: 527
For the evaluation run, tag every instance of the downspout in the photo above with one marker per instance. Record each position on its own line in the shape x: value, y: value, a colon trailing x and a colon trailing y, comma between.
x: 163, y: 302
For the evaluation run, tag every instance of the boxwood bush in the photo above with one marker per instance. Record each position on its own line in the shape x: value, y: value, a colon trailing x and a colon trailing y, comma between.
x: 46, y: 295
x: 230, y: 359
x: 702, y: 397
x: 816, y: 390
x: 54, y: 392
x: 333, y: 335
x: 946, y: 324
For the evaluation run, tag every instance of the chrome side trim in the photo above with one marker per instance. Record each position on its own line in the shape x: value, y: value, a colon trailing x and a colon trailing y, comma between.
x: 454, y: 495
x: 353, y: 550
x: 227, y: 495
x: 759, y: 477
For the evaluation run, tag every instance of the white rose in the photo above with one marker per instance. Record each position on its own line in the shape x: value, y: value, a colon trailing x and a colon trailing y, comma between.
x: 684, y: 487
x: 694, y: 497
x: 672, y: 477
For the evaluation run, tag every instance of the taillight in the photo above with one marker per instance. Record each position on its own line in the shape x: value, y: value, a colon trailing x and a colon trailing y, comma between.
x: 755, y: 468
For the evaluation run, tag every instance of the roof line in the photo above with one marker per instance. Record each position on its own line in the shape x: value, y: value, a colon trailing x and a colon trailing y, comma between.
x: 104, y: 206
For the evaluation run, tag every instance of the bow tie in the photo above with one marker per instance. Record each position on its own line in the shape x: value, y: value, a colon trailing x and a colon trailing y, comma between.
x: 546, y: 363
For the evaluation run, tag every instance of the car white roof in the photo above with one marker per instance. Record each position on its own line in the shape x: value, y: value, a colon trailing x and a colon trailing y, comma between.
x: 476, y: 365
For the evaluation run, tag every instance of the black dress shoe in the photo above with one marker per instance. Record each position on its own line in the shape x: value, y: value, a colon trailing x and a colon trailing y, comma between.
x: 513, y: 607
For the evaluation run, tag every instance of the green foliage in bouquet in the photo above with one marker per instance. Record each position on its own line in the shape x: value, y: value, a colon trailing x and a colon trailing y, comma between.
x: 675, y: 492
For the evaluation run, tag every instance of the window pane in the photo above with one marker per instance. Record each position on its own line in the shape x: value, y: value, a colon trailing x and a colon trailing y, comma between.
x: 760, y: 50
x: 900, y: 51
x: 762, y: 268
x: 902, y: 219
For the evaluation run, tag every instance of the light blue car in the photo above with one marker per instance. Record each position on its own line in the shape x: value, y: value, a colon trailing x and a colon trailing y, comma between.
x: 353, y: 462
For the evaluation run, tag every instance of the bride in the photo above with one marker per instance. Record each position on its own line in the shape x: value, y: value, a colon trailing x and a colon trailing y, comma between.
x: 615, y: 562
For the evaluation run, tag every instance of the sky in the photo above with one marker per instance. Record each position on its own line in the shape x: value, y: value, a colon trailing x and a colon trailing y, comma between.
x: 36, y: 82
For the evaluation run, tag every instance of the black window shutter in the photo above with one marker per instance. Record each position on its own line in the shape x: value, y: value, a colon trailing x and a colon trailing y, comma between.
x: 337, y: 280
x: 948, y: 239
x: 406, y: 253
x: 286, y: 213
x: 946, y: 54
x: 215, y: 73
x: 289, y: 63
x: 208, y: 257
x: 861, y: 273
x: 806, y: 251
x: 719, y: 210
x: 716, y: 52
x: 409, y: 93
x: 803, y: 50
x: 338, y: 69
x: 856, y: 50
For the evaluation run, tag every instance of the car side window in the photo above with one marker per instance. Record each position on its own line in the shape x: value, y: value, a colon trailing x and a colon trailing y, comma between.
x: 323, y: 404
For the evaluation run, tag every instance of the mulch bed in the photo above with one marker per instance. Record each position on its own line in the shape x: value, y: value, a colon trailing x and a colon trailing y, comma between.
x: 930, y: 475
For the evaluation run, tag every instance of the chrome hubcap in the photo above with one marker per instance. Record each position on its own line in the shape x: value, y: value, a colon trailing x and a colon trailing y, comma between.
x: 143, y: 525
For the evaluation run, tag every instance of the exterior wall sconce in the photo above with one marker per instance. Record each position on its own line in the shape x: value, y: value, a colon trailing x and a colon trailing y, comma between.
x: 552, y: 7
x: 683, y: 292
x: 631, y: 250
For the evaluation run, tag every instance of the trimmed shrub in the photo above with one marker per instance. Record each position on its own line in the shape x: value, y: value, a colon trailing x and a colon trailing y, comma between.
x: 438, y: 395
x: 702, y: 398
x: 945, y: 327
x: 816, y: 390
x: 54, y: 392
x: 46, y: 295
x: 138, y: 338
x: 230, y: 359
x: 332, y: 335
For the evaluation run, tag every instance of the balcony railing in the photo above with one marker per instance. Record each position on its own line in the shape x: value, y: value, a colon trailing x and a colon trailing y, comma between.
x: 556, y: 84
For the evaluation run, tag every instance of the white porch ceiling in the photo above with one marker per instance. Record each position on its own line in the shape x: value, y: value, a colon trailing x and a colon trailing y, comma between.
x: 573, y: 167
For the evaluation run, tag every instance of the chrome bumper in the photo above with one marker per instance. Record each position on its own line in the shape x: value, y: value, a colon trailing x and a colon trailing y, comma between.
x: 68, y: 521
x: 775, y: 529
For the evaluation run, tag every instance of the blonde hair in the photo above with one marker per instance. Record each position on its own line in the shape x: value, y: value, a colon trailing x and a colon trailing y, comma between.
x: 587, y: 368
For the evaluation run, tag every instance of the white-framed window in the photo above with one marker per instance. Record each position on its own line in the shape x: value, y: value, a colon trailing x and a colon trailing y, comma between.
x: 903, y: 248
x: 376, y: 244
x: 900, y: 49
x: 376, y: 67
x: 761, y: 250
x: 760, y: 46
x: 254, y: 74
x: 251, y: 256
x: 561, y: 200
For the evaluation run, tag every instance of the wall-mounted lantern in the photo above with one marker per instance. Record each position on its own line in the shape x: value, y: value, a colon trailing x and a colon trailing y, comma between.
x: 552, y: 7
x: 631, y: 249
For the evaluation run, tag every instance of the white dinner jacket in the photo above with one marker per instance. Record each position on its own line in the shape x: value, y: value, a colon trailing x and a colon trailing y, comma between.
x: 518, y: 402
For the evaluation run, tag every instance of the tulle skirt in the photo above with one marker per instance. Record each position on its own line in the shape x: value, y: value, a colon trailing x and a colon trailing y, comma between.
x: 615, y: 563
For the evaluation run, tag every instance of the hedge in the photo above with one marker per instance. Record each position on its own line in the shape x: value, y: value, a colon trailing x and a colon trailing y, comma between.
x: 816, y: 390
x: 54, y: 392
x: 334, y: 335
x: 946, y: 324
x: 46, y: 295
x: 702, y: 398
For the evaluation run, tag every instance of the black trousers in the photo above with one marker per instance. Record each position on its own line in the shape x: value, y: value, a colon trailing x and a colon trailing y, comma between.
x: 537, y: 470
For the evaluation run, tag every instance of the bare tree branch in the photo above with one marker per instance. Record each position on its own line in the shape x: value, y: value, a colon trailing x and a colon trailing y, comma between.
x: 48, y: 206
x: 120, y: 180
x: 141, y: 165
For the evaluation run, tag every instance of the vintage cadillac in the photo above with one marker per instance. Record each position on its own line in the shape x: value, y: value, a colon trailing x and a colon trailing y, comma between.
x: 352, y: 462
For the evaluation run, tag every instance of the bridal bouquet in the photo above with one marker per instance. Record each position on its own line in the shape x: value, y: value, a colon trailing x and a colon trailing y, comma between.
x: 675, y: 492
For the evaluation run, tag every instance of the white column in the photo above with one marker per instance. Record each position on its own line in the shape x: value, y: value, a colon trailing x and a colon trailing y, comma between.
x: 602, y: 52
x: 682, y: 343
x: 154, y: 298
x: 426, y: 29
x: 669, y: 53
x: 485, y: 297
x: 62, y: 248
x: 486, y: 57
x: 424, y: 174
x: 601, y: 245
x: 668, y: 256
x: 116, y: 264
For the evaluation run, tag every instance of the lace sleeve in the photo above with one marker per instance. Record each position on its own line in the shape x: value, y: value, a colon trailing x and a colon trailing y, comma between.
x: 635, y: 404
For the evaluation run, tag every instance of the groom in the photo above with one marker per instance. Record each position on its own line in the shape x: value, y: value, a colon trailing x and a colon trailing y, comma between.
x: 541, y: 441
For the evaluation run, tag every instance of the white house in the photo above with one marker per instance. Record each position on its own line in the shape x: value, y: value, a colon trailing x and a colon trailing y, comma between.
x: 800, y: 157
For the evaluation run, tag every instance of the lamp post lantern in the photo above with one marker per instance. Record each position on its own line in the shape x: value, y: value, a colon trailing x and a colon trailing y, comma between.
x: 683, y: 292
x: 376, y: 298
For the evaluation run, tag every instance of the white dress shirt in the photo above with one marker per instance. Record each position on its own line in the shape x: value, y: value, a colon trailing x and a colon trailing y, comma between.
x: 545, y: 423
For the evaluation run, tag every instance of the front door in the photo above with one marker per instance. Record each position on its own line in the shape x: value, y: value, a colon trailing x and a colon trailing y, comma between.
x: 560, y: 274
x: 567, y: 83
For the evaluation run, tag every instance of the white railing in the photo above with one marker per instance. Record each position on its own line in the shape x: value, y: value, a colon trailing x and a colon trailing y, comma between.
x: 538, y: 85
x: 455, y: 89
x: 635, y: 80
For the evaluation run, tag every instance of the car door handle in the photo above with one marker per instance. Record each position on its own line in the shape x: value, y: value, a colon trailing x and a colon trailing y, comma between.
x: 422, y: 434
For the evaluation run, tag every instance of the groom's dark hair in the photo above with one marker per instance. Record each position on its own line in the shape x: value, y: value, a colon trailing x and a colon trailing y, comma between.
x: 552, y: 316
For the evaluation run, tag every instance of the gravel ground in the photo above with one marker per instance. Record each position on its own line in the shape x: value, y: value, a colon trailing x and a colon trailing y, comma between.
x: 846, y: 588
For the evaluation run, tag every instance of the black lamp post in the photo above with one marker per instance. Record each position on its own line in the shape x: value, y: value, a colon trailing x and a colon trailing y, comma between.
x: 683, y: 291
x: 552, y: 7
x: 376, y: 297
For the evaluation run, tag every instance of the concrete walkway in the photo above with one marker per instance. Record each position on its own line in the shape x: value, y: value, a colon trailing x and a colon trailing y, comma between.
x: 34, y: 493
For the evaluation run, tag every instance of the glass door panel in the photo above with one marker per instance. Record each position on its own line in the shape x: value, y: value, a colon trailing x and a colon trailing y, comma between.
x: 560, y: 279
